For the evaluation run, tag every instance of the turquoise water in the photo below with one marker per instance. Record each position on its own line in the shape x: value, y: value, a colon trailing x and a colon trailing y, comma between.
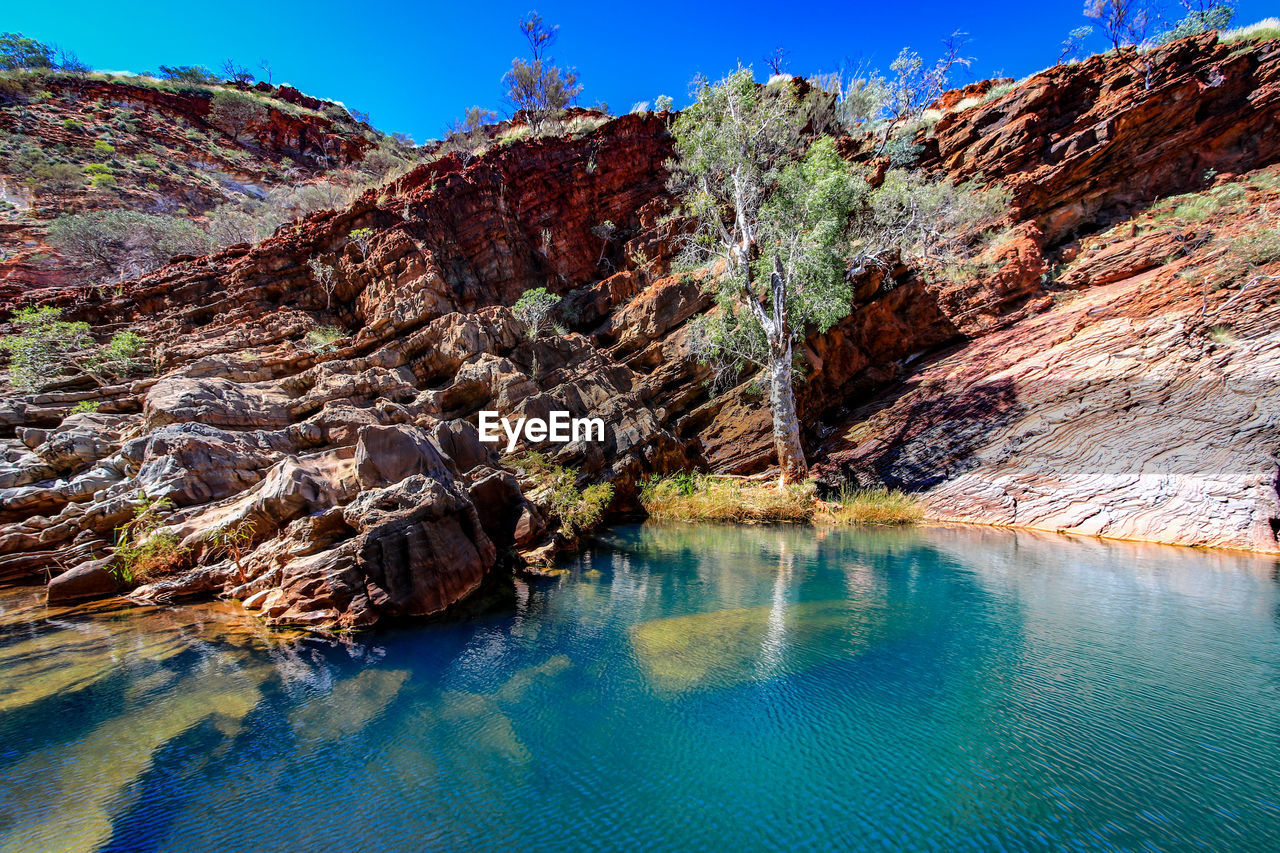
x: 681, y: 688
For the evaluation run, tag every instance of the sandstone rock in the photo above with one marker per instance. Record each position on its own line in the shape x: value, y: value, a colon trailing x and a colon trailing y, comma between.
x: 1105, y: 401
x: 92, y: 579
x: 392, y: 453
x: 422, y: 547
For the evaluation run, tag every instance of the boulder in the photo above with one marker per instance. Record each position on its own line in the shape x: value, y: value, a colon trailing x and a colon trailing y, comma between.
x: 92, y: 579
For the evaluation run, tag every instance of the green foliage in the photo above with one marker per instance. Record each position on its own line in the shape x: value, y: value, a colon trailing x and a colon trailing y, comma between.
x: 384, y: 160
x: 813, y: 219
x: 927, y: 222
x: 103, y: 150
x: 124, y: 354
x: 142, y: 551
x: 85, y: 407
x: 534, y: 308
x: 874, y: 506
x: 578, y: 509
x: 125, y: 243
x: 45, y: 347
x: 42, y: 346
x: 235, y: 112
x: 998, y: 91
x: 1258, y: 246
x: 467, y: 135
x: 1073, y: 45
x: 903, y: 151
x: 1221, y: 335
x: 56, y: 178
x: 233, y: 540
x: 785, y: 230
x: 803, y: 231
x: 697, y: 497
x: 728, y: 341
x: 1199, y: 20
x: 663, y: 104
x: 539, y: 87
x: 324, y: 338
x: 361, y: 237
x: 19, y: 53
x: 194, y: 74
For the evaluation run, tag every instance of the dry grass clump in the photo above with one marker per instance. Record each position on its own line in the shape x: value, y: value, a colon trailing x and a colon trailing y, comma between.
x: 871, y: 506
x: 695, y: 497
x: 1264, y: 30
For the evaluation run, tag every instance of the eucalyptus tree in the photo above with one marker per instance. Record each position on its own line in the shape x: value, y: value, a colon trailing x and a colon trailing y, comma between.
x: 785, y: 227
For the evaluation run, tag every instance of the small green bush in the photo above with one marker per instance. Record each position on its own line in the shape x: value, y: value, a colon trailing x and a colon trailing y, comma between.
x: 324, y: 338
x: 1258, y: 247
x: 42, y: 347
x: 534, y: 307
x: 142, y: 551
x: 56, y: 178
x: 998, y: 91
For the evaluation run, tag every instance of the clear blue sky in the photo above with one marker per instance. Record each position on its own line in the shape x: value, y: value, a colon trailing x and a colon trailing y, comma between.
x: 414, y: 66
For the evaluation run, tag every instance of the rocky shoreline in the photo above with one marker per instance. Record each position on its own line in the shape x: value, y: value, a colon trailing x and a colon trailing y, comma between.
x: 1102, y: 372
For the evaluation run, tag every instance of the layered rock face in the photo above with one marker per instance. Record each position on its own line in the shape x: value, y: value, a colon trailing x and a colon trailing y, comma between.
x: 163, y: 154
x: 1091, y: 383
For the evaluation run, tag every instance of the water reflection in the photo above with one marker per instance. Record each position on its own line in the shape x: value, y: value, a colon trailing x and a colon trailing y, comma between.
x: 681, y: 686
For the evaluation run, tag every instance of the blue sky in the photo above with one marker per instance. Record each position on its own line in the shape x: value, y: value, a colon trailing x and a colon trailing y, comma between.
x: 414, y: 66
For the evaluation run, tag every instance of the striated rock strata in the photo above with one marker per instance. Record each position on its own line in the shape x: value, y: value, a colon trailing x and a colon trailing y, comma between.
x: 1082, y: 380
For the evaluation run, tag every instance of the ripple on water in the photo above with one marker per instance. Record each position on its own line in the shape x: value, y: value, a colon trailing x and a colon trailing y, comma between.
x: 682, y: 687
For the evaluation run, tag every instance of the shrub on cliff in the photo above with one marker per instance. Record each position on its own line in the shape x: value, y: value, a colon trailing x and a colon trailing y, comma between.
x: 44, y: 347
x: 466, y: 136
x: 124, y: 244
x: 235, y: 112
x: 143, y: 551
x: 534, y: 307
x: 556, y: 487
x: 539, y: 87
x: 56, y: 179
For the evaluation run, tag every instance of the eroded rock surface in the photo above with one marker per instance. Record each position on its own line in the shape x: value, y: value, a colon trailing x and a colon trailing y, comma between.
x: 1074, y: 382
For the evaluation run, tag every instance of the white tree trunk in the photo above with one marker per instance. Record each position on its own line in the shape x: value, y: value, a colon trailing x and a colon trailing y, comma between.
x: 786, y: 426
